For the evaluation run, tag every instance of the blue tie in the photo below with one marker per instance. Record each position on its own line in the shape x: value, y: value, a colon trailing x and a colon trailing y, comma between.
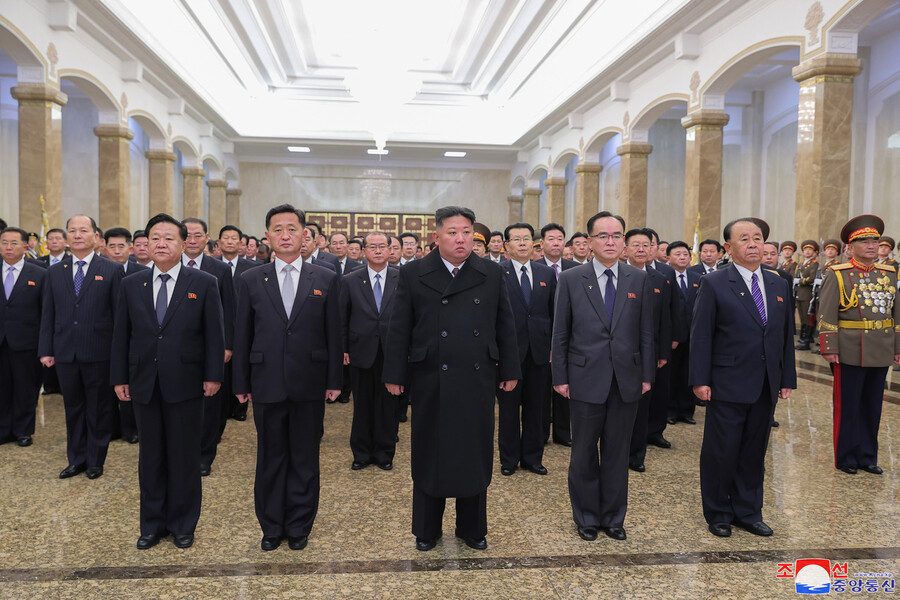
x: 162, y: 298
x: 610, y: 296
x: 377, y: 291
x: 683, y: 285
x: 526, y: 286
x: 758, y: 298
x: 79, y: 277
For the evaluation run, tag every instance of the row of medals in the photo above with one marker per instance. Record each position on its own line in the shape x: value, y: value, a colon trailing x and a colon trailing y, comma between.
x: 879, y: 296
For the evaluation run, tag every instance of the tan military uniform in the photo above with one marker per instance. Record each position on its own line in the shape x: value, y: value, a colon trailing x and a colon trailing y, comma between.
x: 790, y: 266
x: 807, y: 273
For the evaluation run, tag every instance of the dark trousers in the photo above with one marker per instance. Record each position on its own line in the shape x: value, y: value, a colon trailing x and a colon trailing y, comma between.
x: 638, y: 448
x: 89, y: 411
x: 374, y: 426
x: 234, y: 406
x: 659, y: 403
x: 682, y: 400
x: 858, y: 394
x: 599, y: 490
x: 286, y: 490
x: 428, y: 515
x: 168, y: 462
x: 520, y: 435
x: 20, y: 374
x: 732, y: 458
x: 127, y: 424
x: 215, y: 409
x: 345, y: 386
x: 50, y: 380
x: 558, y: 413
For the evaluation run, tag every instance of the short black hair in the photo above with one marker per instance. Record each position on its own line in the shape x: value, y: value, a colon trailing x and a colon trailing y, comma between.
x: 726, y: 233
x: 447, y: 212
x: 652, y: 233
x: 359, y: 242
x: 407, y: 234
x: 56, y: 230
x: 552, y: 227
x: 603, y: 214
x: 516, y: 226
x: 3, y: 224
x: 363, y: 242
x: 140, y: 233
x: 117, y: 232
x: 392, y: 238
x: 346, y: 237
x: 578, y: 234
x: 90, y: 218
x: 231, y: 228
x: 254, y: 238
x: 285, y: 208
x: 164, y: 218
x: 196, y: 221
x: 713, y: 242
x: 675, y: 245
x: 317, y: 227
x: 211, y: 245
x: 661, y: 242
x: 496, y: 233
x: 771, y: 243
x: 637, y: 231
x: 18, y: 230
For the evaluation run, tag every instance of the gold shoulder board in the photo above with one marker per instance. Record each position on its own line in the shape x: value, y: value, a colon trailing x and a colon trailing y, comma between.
x: 841, y: 266
x: 885, y: 267
x: 773, y: 272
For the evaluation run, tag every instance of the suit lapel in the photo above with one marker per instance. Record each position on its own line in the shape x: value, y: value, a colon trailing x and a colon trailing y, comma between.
x: 20, y: 281
x: 436, y: 276
x: 592, y: 289
x: 471, y: 273
x: 743, y: 294
x: 772, y: 298
x: 68, y: 263
x: 181, y: 286
x: 390, y: 278
x: 303, y: 288
x: 623, y: 286
x: 270, y: 284
x: 88, y: 276
x: 514, y: 283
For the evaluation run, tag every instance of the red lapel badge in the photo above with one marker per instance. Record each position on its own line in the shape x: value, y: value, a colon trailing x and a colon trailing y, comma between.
x: 30, y: 283
x: 780, y: 299
x: 192, y: 296
x: 632, y: 295
x: 317, y: 292
x: 543, y: 284
x: 98, y: 277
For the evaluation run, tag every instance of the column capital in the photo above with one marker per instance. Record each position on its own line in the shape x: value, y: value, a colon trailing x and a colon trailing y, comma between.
x: 113, y: 131
x: 513, y: 199
x: 193, y: 171
x: 714, y: 119
x: 531, y: 192
x: 831, y: 66
x: 555, y: 182
x: 38, y: 92
x: 216, y: 183
x: 634, y: 148
x: 162, y: 155
x: 234, y: 192
x: 588, y: 168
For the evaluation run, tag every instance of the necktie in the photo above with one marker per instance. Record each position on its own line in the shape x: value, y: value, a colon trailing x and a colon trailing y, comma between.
x: 162, y: 298
x: 556, y: 270
x: 287, y: 289
x: 683, y: 285
x: 610, y: 296
x: 377, y: 291
x: 455, y: 271
x: 53, y: 260
x: 230, y: 264
x: 526, y: 285
x: 758, y: 298
x: 79, y: 276
x: 192, y: 264
x: 10, y: 281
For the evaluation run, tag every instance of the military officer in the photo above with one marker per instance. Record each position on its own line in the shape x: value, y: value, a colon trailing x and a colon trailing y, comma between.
x: 885, y: 248
x: 807, y: 273
x: 832, y: 252
x: 859, y: 336
x: 787, y: 252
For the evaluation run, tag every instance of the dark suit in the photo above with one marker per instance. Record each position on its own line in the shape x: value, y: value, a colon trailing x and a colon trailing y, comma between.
x: 699, y: 269
x: 77, y: 332
x: 287, y: 362
x: 662, y: 387
x: 49, y: 376
x: 20, y: 368
x: 521, y: 437
x: 328, y: 257
x: 235, y: 409
x: 446, y: 338
x: 604, y: 364
x: 124, y: 424
x: 682, y: 400
x: 165, y: 367
x: 348, y: 267
x: 132, y: 267
x: 745, y: 363
x: 365, y: 332
x: 46, y: 258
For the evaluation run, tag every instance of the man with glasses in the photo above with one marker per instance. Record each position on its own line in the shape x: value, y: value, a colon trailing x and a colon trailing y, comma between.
x: 408, y: 243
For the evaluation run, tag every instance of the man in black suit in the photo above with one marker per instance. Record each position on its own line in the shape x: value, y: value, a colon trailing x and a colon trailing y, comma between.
x: 367, y: 299
x: 450, y: 328
x: 409, y: 241
x: 603, y: 362
x: 318, y: 244
x: 556, y: 408
x: 76, y: 333
x: 338, y: 245
x: 741, y: 311
x: 142, y: 249
x: 20, y: 317
x: 167, y: 354
x: 709, y: 257
x: 56, y: 247
x: 216, y: 407
x: 532, y: 289
x: 662, y: 386
x: 287, y: 359
x: 682, y: 400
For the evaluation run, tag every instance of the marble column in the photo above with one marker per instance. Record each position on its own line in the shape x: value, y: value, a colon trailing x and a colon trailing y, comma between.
x: 556, y: 200
x: 161, y: 178
x: 531, y: 206
x: 40, y: 153
x: 193, y: 191
x: 115, y: 175
x: 515, y: 209
x: 587, y: 192
x: 633, y: 183
x: 824, y: 142
x: 216, y: 205
x: 233, y: 207
x: 703, y: 172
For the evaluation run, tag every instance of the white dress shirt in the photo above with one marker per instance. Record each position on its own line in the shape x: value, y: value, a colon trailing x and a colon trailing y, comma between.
x: 450, y: 266
x: 295, y: 276
x: 233, y: 265
x: 382, y: 272
x: 600, y: 272
x: 518, y: 270
x: 87, y: 264
x: 496, y: 260
x: 57, y: 258
x: 18, y: 271
x: 746, y: 275
x: 185, y: 259
x: 170, y: 284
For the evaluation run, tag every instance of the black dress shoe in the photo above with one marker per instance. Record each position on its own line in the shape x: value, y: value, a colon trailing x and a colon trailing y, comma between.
x: 688, y: 420
x: 71, y: 471
x: 659, y: 442
x: 588, y: 534
x: 639, y: 468
x: 848, y: 469
x: 344, y: 399
x: 148, y: 541
x: 185, y: 540
x: 386, y: 466
x: 536, y: 469
x: 270, y: 542
x: 240, y: 417
x: 403, y: 419
x: 758, y: 528
x: 424, y: 545
x: 873, y: 469
x: 720, y: 529
x: 671, y: 420
x: 356, y: 466
x: 616, y: 533
x: 94, y: 472
x: 776, y: 424
x: 24, y: 440
x: 567, y: 443
x: 297, y: 542
x: 476, y: 543
x: 131, y: 439
x: 507, y: 471
x: 204, y: 470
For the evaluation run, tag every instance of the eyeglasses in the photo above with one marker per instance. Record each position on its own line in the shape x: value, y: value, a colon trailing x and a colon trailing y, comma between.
x: 517, y: 240
x: 605, y: 236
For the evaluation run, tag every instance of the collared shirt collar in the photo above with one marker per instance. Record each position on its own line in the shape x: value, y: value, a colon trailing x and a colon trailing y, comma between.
x: 450, y: 266
x: 641, y: 268
x: 746, y: 273
x: 373, y: 272
x: 87, y: 260
x: 550, y: 263
x: 18, y: 266
x: 517, y: 266
x: 173, y: 272
x: 599, y: 269
x: 279, y: 264
x: 186, y: 259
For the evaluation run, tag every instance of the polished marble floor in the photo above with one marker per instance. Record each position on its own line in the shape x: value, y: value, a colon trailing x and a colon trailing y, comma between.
x: 75, y: 538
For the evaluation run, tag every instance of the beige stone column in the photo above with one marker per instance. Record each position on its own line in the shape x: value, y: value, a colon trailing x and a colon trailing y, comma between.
x: 233, y: 207
x: 556, y: 200
x: 531, y: 207
x: 115, y: 175
x: 703, y: 173
x: 216, y: 205
x: 40, y: 153
x: 161, y: 177
x: 515, y: 209
x: 824, y: 144
x: 193, y: 191
x: 587, y: 192
x: 633, y: 183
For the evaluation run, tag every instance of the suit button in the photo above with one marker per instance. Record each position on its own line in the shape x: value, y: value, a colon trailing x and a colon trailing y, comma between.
x: 155, y: 360
x: 443, y: 367
x: 477, y: 366
x: 289, y: 333
x: 75, y: 323
x: 477, y: 301
x: 444, y: 301
x: 443, y: 334
x: 476, y: 333
x: 763, y: 357
x: 159, y: 337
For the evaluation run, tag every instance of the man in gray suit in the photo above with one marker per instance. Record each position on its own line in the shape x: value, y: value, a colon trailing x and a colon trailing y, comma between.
x: 603, y: 362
